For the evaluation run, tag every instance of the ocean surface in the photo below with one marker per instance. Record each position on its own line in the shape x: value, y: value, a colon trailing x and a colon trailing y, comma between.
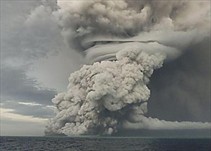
x: 103, y: 144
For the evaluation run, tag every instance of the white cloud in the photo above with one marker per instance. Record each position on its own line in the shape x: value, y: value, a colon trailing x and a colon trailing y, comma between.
x: 30, y: 103
x: 13, y: 124
x: 7, y: 114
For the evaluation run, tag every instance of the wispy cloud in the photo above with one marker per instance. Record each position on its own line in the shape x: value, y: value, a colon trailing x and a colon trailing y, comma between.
x: 7, y: 114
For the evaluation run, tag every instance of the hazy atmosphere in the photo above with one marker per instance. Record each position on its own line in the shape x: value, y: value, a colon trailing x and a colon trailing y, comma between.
x: 104, y: 67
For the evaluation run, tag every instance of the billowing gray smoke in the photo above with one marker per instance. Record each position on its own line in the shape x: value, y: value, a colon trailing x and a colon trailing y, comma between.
x: 126, y: 41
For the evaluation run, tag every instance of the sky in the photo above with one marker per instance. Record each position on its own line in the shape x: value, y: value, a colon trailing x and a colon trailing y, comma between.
x: 36, y: 62
x: 35, y: 65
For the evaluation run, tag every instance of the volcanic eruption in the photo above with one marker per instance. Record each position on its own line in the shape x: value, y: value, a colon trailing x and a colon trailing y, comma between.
x: 124, y: 42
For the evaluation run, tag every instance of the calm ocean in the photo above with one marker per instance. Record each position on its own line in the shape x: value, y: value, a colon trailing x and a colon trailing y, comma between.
x: 102, y: 144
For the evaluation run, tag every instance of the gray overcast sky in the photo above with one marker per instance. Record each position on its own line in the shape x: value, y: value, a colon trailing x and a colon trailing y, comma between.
x: 35, y: 65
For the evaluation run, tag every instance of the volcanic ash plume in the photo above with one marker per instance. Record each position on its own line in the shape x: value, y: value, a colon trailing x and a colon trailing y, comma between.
x: 99, y: 94
x: 126, y: 42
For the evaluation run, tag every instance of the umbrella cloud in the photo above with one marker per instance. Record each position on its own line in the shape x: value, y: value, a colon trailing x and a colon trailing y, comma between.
x: 124, y: 42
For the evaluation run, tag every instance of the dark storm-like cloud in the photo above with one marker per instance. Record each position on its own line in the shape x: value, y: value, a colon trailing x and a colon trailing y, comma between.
x: 28, y: 35
x: 15, y: 85
x: 182, y: 87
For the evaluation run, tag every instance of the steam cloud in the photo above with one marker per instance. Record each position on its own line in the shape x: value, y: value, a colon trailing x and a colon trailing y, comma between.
x: 124, y: 41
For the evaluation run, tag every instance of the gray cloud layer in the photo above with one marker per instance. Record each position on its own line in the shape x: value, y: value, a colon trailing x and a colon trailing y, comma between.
x: 182, y: 87
x: 35, y: 63
x: 29, y: 33
x: 29, y: 109
x: 25, y: 39
x: 15, y: 85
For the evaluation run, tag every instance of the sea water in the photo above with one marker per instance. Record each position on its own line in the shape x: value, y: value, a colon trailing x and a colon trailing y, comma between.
x: 103, y: 144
